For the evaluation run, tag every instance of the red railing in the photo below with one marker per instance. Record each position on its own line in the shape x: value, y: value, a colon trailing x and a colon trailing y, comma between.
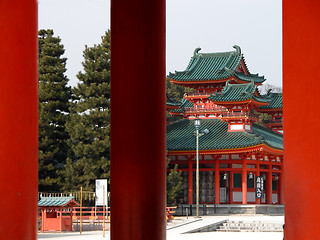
x: 240, y: 115
x: 197, y: 94
x: 204, y: 110
x: 92, y: 213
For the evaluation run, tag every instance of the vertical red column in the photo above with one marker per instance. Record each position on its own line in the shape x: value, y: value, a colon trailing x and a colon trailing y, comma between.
x: 18, y: 119
x: 217, y: 182
x: 190, y: 181
x: 301, y: 19
x: 230, y: 186
x: 269, y: 185
x: 138, y: 174
x: 244, y: 181
x: 281, y: 188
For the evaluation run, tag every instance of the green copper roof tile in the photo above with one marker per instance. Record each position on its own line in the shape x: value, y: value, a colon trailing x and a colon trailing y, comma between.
x: 214, y: 66
x: 172, y: 102
x: 54, y: 201
x: 238, y: 93
x: 275, y: 103
x: 184, y: 104
x: 180, y: 136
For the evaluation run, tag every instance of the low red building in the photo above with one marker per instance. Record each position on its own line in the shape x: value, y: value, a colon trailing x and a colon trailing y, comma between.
x: 56, y: 213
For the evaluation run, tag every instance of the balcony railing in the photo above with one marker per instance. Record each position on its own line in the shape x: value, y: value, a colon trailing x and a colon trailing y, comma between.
x: 205, y: 110
x: 193, y: 94
x: 240, y: 115
x: 274, y: 121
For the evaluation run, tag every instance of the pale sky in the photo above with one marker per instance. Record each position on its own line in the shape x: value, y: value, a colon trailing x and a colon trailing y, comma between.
x: 213, y: 25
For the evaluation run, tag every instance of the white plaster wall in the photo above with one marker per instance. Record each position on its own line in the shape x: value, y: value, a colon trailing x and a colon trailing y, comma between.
x: 236, y: 127
x: 274, y: 197
x: 251, y: 196
x: 237, y: 196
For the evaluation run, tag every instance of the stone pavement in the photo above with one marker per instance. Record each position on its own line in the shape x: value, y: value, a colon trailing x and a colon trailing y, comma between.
x: 176, y: 228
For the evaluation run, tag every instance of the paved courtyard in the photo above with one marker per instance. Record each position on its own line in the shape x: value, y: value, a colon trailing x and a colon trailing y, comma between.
x: 176, y: 229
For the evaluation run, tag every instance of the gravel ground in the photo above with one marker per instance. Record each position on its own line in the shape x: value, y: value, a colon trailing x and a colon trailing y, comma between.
x: 175, y: 231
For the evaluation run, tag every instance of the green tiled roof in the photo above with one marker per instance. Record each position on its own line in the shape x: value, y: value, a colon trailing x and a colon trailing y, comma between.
x: 275, y: 103
x: 184, y: 104
x: 214, y: 66
x: 180, y: 136
x: 238, y: 93
x: 172, y: 102
x: 246, y: 78
x: 56, y: 201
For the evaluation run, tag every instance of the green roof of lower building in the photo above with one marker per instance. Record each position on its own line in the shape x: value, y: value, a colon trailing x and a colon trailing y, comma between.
x: 172, y: 102
x: 275, y: 103
x: 214, y: 66
x: 238, y: 93
x: 56, y: 201
x: 180, y: 136
x: 184, y: 104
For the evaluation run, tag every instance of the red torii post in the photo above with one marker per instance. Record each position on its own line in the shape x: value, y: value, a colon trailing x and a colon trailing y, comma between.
x: 138, y: 186
x: 301, y: 51
x: 18, y: 119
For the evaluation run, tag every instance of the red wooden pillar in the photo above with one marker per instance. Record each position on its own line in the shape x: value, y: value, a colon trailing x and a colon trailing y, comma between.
x: 190, y: 181
x: 230, y: 185
x: 269, y: 184
x: 244, y: 181
x: 301, y: 19
x: 18, y: 119
x: 138, y: 74
x: 60, y: 212
x: 217, y: 182
x: 281, y: 188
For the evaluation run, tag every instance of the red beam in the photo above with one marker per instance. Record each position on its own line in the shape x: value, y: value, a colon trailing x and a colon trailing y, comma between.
x: 138, y: 72
x: 18, y: 119
x: 301, y: 19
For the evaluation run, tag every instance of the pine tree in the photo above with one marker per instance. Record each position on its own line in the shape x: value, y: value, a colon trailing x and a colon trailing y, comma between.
x: 89, y: 125
x: 175, y: 92
x: 174, y: 184
x: 54, y: 96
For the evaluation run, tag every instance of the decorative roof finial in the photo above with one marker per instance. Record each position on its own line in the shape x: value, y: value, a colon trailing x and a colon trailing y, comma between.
x: 196, y: 51
x: 238, y: 49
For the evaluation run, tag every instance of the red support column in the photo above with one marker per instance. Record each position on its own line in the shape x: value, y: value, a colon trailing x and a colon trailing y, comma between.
x: 60, y: 212
x: 230, y: 186
x: 269, y: 184
x: 301, y: 133
x: 217, y: 182
x: 244, y: 181
x: 138, y: 185
x: 281, y: 188
x: 18, y: 119
x: 190, y: 181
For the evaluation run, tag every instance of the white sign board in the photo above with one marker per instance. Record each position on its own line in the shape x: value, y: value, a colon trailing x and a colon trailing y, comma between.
x: 99, y: 192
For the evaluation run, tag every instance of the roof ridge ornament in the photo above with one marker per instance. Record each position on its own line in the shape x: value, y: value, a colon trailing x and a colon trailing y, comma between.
x: 238, y: 49
x: 195, y: 53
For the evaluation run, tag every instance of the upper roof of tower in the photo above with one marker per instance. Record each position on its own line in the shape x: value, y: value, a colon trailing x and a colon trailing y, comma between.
x: 216, y: 67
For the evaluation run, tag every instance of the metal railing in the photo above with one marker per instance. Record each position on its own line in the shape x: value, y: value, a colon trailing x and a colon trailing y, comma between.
x: 87, y: 196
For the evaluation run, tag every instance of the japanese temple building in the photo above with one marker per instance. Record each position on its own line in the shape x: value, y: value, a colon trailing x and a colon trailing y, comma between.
x: 234, y: 149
